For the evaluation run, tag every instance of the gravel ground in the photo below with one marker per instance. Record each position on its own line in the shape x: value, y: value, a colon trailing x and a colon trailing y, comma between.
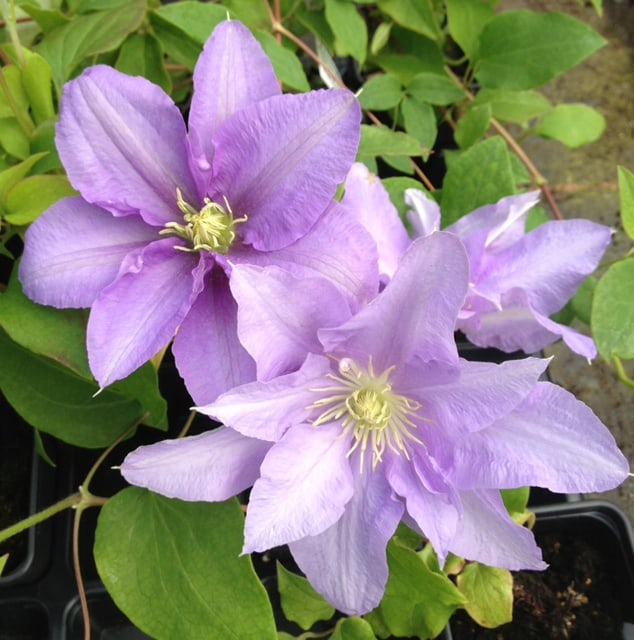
x: 584, y: 183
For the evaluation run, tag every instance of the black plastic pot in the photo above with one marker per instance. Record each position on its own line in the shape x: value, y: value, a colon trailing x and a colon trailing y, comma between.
x: 601, y: 533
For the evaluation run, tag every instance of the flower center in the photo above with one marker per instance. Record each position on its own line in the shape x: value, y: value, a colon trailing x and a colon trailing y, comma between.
x: 210, y: 229
x: 369, y: 411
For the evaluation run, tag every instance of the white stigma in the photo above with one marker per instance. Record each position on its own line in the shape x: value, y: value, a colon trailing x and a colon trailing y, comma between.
x: 369, y: 411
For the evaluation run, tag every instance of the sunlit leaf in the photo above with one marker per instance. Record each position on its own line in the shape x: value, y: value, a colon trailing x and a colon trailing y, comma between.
x: 525, y: 49
x: 175, y: 569
x: 572, y: 124
x: 613, y: 311
x: 626, y: 193
x: 489, y: 593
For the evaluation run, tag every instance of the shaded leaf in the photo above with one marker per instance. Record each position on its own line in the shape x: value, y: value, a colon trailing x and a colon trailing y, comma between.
x: 286, y: 64
x: 419, y: 119
x: 473, y: 125
x: 353, y: 629
x: 142, y: 55
x: 466, y: 20
x: 381, y: 92
x: 55, y: 400
x: 480, y: 175
x: 412, y: 14
x: 435, y: 89
x: 514, y: 106
x: 348, y: 27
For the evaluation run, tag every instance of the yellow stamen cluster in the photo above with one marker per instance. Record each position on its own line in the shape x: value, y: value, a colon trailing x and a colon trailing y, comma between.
x: 210, y: 229
x: 369, y: 411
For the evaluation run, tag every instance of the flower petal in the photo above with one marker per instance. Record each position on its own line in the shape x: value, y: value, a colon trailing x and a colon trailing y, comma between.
x: 267, y: 409
x: 337, y: 247
x: 232, y: 72
x: 577, y: 342
x: 74, y: 249
x: 280, y: 160
x: 425, y: 213
x: 487, y: 534
x: 551, y: 440
x: 305, y: 482
x: 279, y: 314
x: 550, y: 262
x: 207, y: 351
x: 367, y: 200
x: 482, y: 392
x: 429, y: 500
x: 123, y: 144
x: 210, y: 467
x: 415, y: 314
x: 347, y: 563
x: 138, y: 314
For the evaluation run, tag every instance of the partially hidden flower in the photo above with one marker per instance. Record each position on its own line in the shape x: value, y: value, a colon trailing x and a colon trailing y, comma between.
x: 381, y: 422
x: 164, y: 211
x: 518, y: 279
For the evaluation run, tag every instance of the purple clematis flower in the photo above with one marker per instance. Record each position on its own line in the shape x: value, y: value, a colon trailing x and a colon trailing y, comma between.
x: 381, y: 421
x: 518, y: 279
x: 164, y: 212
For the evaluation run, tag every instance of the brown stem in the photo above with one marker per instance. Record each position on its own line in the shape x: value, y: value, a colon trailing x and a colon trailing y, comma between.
x: 85, y: 614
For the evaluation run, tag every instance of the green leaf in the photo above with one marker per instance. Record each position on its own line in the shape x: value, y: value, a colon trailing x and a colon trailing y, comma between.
x: 396, y: 189
x: 536, y: 217
x: 353, y: 629
x: 380, y: 37
x: 419, y: 119
x: 626, y: 195
x: 55, y: 400
x: 32, y: 196
x: 349, y: 28
x: 489, y: 593
x: 252, y: 12
x: 3, y: 562
x: 381, y: 141
x: 466, y: 21
x: 416, y: 15
x: 514, y: 106
x: 88, y: 35
x: 46, y: 19
x: 435, y: 89
x: 480, y: 175
x: 38, y: 86
x: 142, y: 55
x: 381, y: 92
x: 516, y: 500
x: 400, y: 163
x: 582, y: 300
x: 11, y: 176
x: 13, y: 139
x: 16, y: 94
x: 175, y: 569
x: 300, y: 602
x: 417, y: 601
x: 286, y: 64
x: 473, y: 125
x: 613, y: 311
x: 195, y: 20
x: 572, y: 124
x: 43, y: 146
x: 525, y: 49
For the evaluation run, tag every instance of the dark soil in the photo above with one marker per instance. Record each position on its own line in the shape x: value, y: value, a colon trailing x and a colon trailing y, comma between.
x: 576, y: 598
x: 16, y: 449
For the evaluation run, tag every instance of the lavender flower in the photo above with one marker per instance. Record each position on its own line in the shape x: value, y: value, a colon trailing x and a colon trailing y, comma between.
x: 518, y: 279
x: 163, y: 212
x: 382, y: 421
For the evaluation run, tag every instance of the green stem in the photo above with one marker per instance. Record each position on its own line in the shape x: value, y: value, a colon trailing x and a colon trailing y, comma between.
x: 620, y: 370
x: 10, y: 21
x: 68, y: 502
